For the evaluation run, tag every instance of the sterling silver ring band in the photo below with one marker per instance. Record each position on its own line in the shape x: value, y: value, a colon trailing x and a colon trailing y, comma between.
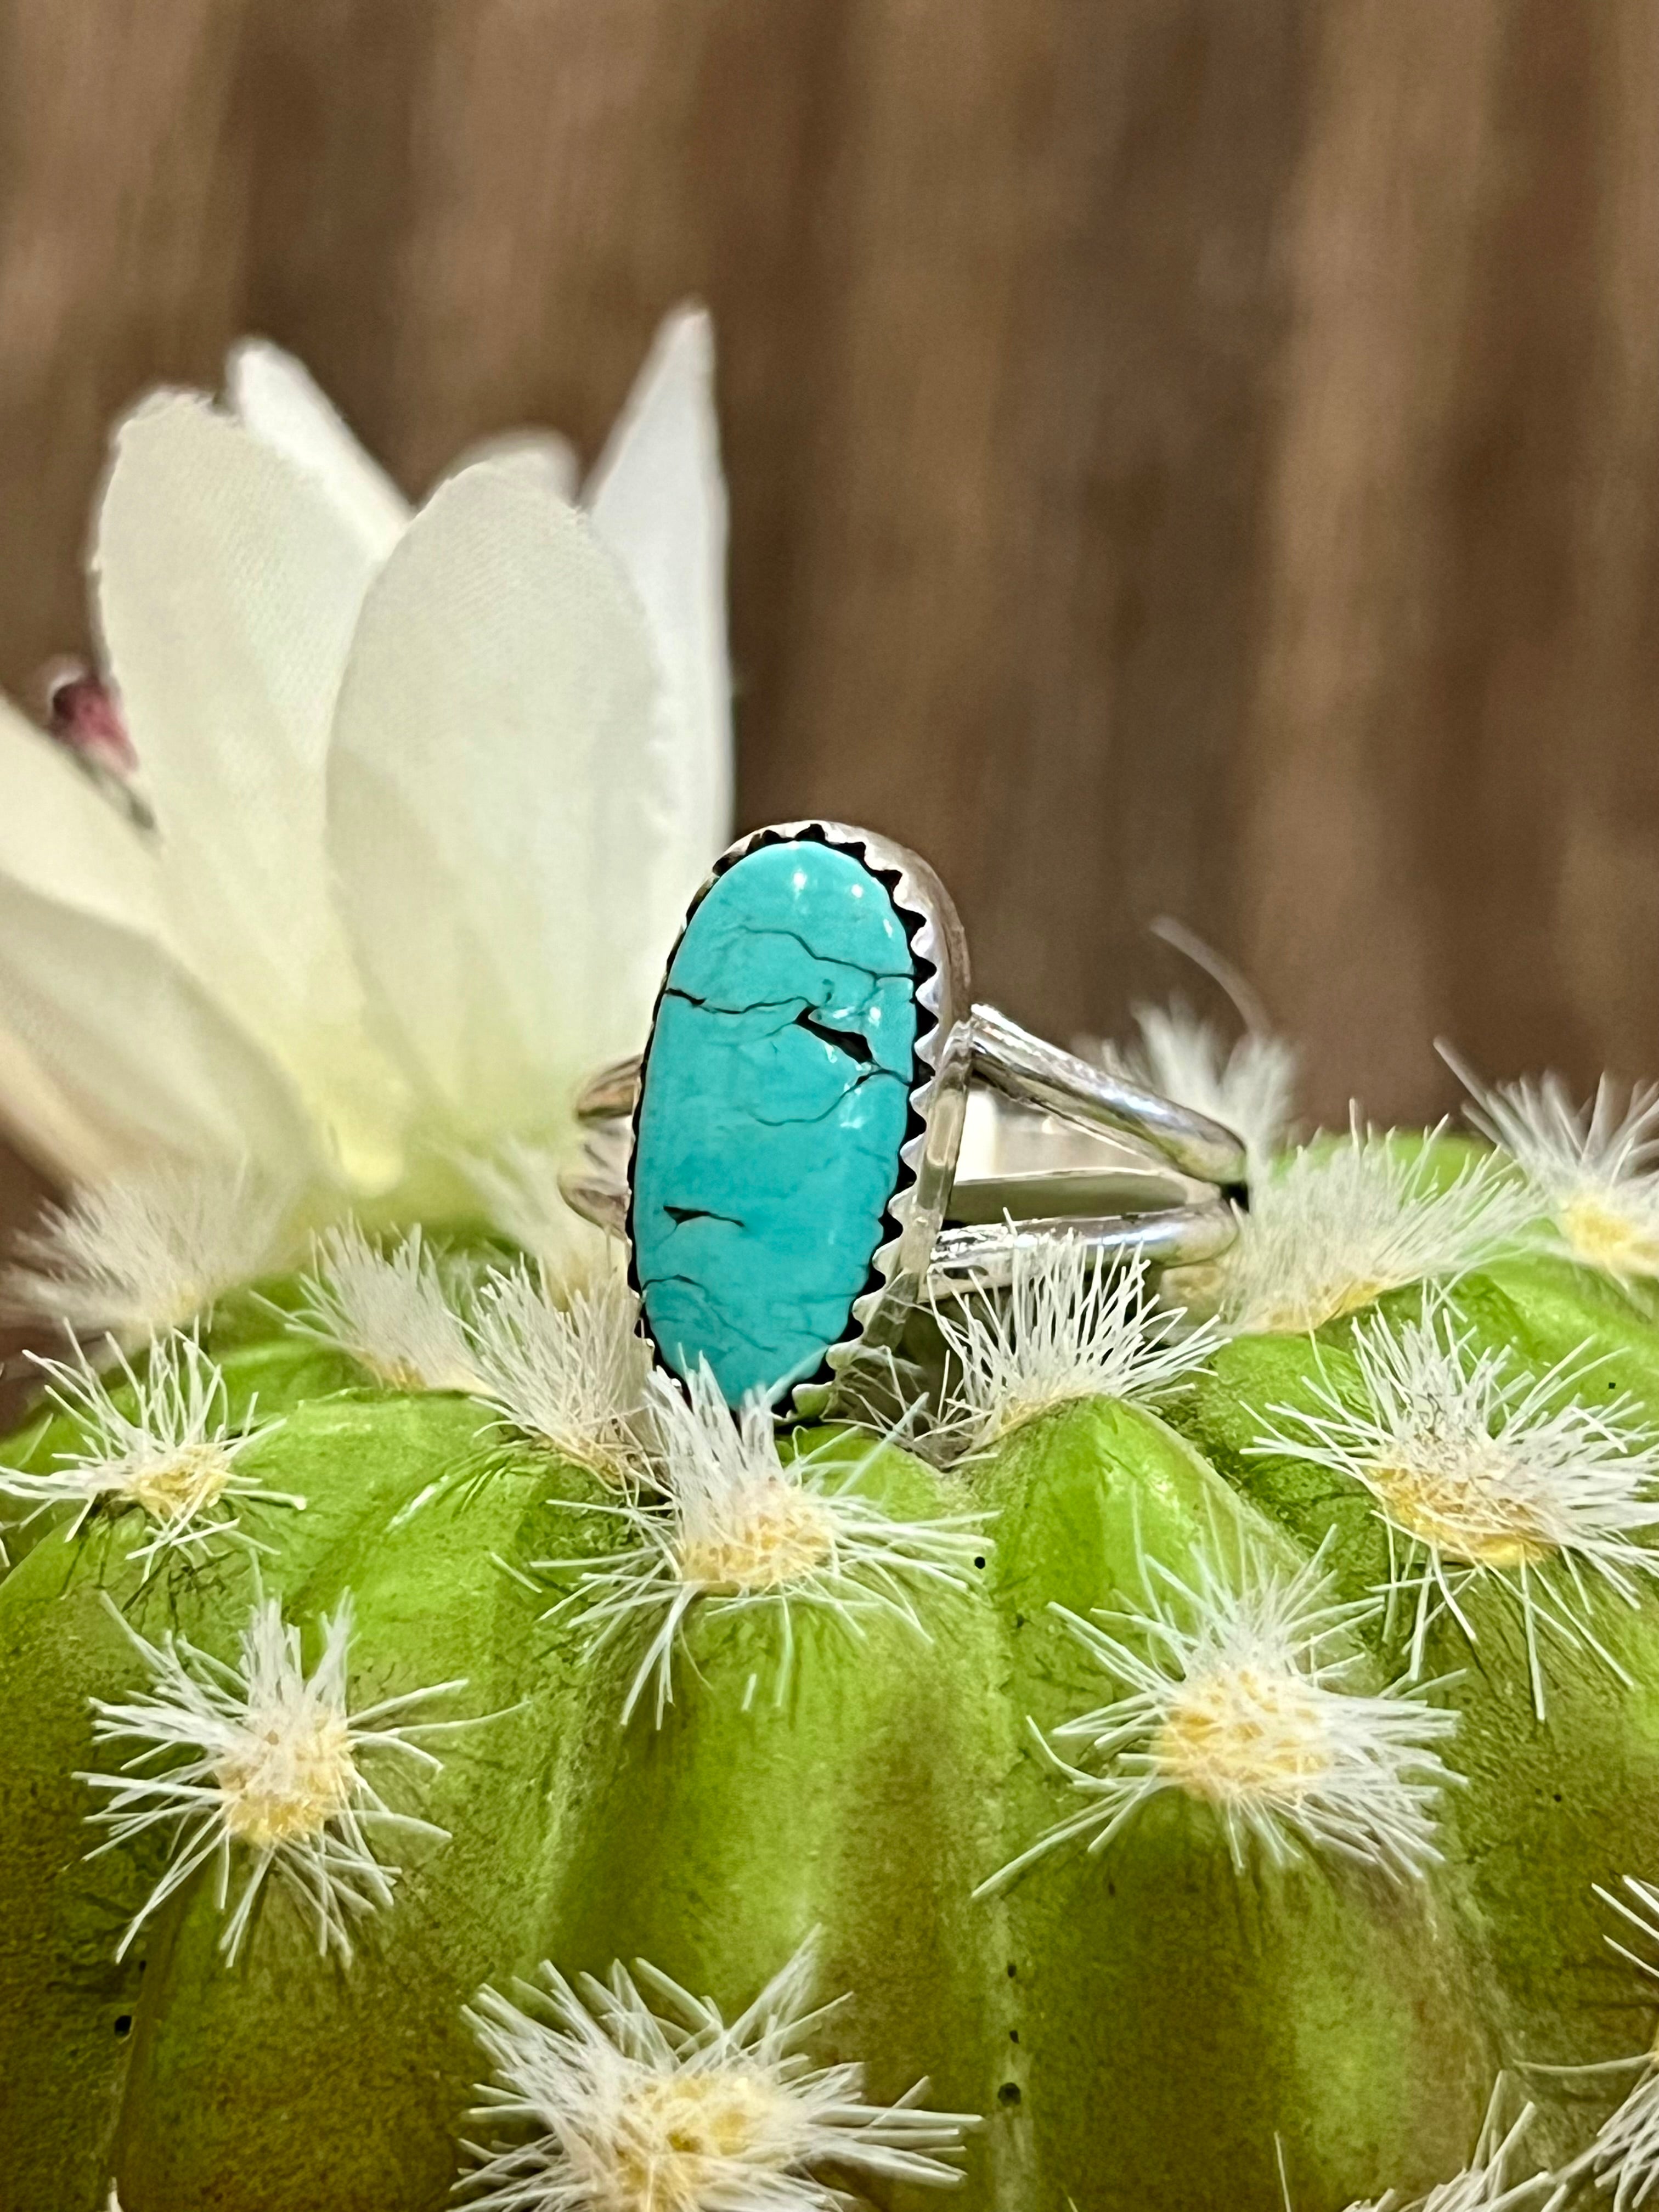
x: 1124, y: 1170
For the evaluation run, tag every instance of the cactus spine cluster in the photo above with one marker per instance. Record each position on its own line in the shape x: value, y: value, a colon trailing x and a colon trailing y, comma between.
x: 1222, y: 1768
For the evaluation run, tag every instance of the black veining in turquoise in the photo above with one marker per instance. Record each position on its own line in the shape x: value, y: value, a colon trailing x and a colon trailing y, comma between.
x: 775, y: 1101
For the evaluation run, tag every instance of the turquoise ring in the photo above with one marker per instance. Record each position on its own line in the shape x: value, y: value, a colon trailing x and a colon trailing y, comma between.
x: 795, y: 1182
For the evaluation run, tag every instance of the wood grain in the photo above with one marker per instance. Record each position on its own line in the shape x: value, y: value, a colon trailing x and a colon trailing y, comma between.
x: 1188, y: 457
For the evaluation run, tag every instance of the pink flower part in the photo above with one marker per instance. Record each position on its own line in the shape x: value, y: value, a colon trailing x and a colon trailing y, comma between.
x: 84, y: 713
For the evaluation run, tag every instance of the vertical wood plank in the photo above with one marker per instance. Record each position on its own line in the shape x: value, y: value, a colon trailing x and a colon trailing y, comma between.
x: 1185, y: 458
x: 1341, y: 746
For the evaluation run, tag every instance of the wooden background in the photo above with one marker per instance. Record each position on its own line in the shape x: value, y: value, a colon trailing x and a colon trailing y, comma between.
x: 1188, y: 456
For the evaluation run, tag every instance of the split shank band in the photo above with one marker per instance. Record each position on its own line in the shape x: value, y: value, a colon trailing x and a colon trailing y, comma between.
x: 1167, y: 1196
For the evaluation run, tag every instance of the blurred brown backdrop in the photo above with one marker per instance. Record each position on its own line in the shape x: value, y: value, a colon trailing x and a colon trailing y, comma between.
x: 1188, y: 456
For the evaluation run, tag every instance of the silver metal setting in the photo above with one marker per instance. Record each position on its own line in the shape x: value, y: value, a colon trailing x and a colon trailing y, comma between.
x: 1125, y: 1170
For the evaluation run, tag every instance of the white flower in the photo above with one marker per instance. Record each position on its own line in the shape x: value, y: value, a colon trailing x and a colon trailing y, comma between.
x: 431, y: 791
x: 570, y: 1376
x: 261, y: 1761
x: 1591, y: 1168
x: 147, y: 1251
x: 634, y: 2096
x: 1339, y: 1224
x: 739, y: 1527
x: 1066, y: 1329
x: 390, y: 1310
x: 1249, y: 1087
x: 173, y: 1457
x: 1237, y: 1694
x: 1482, y: 1471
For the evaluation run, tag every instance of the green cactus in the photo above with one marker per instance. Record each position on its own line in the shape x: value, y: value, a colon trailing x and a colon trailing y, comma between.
x: 1087, y: 1779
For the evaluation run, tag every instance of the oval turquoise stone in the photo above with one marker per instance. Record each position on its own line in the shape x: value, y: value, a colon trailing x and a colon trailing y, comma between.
x: 776, y: 1097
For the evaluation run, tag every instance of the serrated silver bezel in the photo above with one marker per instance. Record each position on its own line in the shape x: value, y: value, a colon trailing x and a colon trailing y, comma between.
x: 936, y: 1099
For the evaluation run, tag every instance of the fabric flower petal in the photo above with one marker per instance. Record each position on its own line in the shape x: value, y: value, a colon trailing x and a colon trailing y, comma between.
x: 62, y: 837
x: 62, y: 844
x: 658, y: 500
x: 108, y: 1028
x: 276, y: 397
x: 37, y: 1116
x: 500, y: 821
x: 550, y: 458
x: 228, y: 586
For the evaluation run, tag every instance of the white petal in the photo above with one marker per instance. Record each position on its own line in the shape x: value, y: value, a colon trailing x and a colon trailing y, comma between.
x: 278, y: 398
x: 502, y: 829
x: 228, y: 586
x: 549, y: 457
x: 38, y: 1116
x: 60, y: 837
x: 111, y: 1031
x: 61, y: 841
x: 657, y: 499
x: 108, y: 1048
